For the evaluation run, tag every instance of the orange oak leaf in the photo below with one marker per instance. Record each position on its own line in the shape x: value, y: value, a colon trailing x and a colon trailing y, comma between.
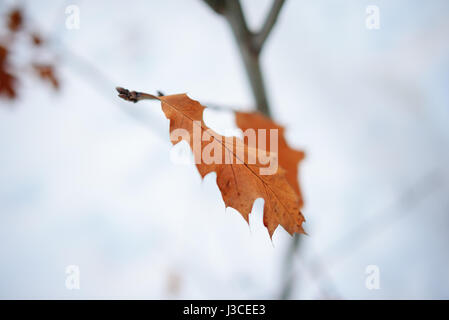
x: 288, y: 158
x: 240, y: 180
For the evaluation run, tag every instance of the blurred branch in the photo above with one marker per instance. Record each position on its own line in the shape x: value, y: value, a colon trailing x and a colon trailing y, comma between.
x: 316, y: 271
x: 249, y: 44
x: 216, y: 5
x: 262, y: 35
x: 373, y: 227
x: 402, y: 206
x: 425, y: 186
x: 289, y: 275
x: 250, y: 57
x: 104, y: 83
x: 98, y: 78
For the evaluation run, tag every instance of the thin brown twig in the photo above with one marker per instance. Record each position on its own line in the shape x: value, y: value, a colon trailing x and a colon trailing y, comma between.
x: 134, y: 96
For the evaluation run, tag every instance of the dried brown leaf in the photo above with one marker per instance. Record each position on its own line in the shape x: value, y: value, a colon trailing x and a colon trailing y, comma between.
x: 289, y: 158
x: 240, y: 183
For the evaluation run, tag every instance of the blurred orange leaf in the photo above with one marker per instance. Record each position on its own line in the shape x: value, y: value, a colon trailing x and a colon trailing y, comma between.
x: 46, y: 72
x: 7, y: 84
x: 36, y: 39
x: 7, y: 80
x: 15, y: 20
x: 10, y: 71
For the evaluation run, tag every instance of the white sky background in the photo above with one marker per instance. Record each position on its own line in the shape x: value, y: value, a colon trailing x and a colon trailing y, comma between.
x: 86, y: 179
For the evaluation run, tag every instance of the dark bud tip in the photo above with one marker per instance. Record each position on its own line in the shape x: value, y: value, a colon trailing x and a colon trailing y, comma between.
x: 127, y: 95
x: 122, y: 90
